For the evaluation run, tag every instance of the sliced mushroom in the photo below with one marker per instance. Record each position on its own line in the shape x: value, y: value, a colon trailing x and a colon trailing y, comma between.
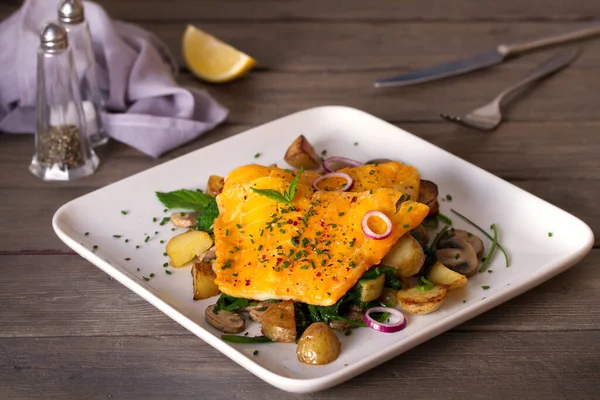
x: 225, y: 321
x: 428, y: 194
x: 473, y: 240
x: 183, y: 220
x: 355, y: 314
x: 209, y: 255
x: 257, y: 310
x: 459, y: 256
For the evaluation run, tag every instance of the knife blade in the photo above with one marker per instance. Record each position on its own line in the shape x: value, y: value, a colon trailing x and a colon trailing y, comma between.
x: 484, y: 60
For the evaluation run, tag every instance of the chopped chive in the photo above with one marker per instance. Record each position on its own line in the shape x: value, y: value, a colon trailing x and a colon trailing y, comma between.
x: 95, y: 246
x: 485, y: 233
x: 126, y: 240
x: 147, y: 238
x: 117, y: 236
x: 152, y: 275
x: 260, y: 247
x: 409, y: 209
x: 226, y: 232
x: 304, y: 267
x: 405, y: 226
x: 167, y: 272
x: 488, y: 258
x: 137, y: 246
x: 154, y: 219
x: 444, y: 219
x: 449, y: 197
x: 128, y: 258
x: 87, y: 234
x: 165, y: 253
x: 485, y: 287
x: 341, y: 214
x: 356, y: 143
x: 550, y: 234
x: 166, y: 264
x: 123, y: 212
x: 257, y: 155
x: 255, y: 352
x: 162, y: 241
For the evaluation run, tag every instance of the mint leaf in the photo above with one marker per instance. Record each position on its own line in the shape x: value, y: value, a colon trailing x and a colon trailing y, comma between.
x: 205, y: 220
x: 185, y: 199
x: 272, y: 194
x: 291, y: 192
x: 193, y: 200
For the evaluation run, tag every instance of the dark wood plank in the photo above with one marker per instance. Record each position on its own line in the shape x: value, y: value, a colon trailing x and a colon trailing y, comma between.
x: 67, y: 296
x: 324, y: 10
x: 385, y: 47
x: 453, y: 366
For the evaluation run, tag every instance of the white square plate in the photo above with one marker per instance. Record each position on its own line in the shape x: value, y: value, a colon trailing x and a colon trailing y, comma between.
x: 524, y: 222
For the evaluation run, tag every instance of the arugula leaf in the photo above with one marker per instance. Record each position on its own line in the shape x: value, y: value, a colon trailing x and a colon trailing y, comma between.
x: 185, y: 199
x: 287, y: 196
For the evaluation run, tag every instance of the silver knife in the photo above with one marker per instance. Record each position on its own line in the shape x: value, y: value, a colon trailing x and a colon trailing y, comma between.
x: 483, y: 60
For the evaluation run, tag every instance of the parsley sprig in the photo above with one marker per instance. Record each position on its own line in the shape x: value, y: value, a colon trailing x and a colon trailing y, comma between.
x: 287, y: 196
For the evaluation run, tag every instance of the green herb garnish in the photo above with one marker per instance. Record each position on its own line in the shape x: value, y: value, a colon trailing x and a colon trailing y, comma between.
x: 424, y: 285
x: 485, y: 233
x: 444, y: 219
x: 192, y: 200
x: 287, y: 196
x: 488, y: 258
x: 246, y: 339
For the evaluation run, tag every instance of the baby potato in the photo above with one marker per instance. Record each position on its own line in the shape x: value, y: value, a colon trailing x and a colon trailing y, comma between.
x: 182, y: 248
x: 406, y: 256
x: 204, y: 281
x: 215, y: 185
x: 445, y: 276
x: 302, y: 154
x: 279, y: 322
x: 370, y: 289
x: 318, y: 345
x: 416, y: 301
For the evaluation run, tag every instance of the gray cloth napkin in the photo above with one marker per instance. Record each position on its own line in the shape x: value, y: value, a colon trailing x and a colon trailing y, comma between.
x: 147, y: 109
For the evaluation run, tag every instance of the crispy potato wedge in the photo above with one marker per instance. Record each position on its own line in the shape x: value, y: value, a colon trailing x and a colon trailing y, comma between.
x: 204, y: 281
x: 302, y: 154
x: 370, y: 289
x: 182, y: 248
x: 318, y: 345
x: 415, y: 301
x: 442, y: 275
x: 215, y: 185
x: 406, y: 256
x: 279, y: 322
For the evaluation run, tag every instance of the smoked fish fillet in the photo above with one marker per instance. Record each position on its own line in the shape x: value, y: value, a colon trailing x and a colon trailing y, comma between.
x: 313, y: 252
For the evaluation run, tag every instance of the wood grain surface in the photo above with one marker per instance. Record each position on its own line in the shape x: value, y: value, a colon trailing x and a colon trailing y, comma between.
x: 68, y: 331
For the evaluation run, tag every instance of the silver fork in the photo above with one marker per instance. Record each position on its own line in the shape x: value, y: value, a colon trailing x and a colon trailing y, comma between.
x: 488, y: 117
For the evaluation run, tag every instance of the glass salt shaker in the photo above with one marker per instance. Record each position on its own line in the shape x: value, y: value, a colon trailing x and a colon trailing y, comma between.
x: 72, y: 17
x: 63, y: 150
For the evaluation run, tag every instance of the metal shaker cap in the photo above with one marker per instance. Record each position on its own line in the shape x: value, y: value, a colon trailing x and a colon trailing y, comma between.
x: 53, y: 38
x: 71, y: 12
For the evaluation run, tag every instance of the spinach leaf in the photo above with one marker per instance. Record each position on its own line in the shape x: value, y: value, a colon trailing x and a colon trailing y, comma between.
x: 229, y: 303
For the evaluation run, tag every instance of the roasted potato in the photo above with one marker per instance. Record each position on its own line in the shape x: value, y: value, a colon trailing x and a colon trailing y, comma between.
x: 225, y: 321
x: 318, y: 345
x: 302, y: 154
x: 442, y: 275
x: 388, y: 298
x: 215, y: 185
x: 204, y: 281
x: 182, y: 248
x: 279, y: 322
x: 370, y: 289
x: 415, y: 301
x: 428, y: 194
x: 406, y: 256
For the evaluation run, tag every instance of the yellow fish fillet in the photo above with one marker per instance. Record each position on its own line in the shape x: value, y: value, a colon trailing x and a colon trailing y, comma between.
x: 313, y: 252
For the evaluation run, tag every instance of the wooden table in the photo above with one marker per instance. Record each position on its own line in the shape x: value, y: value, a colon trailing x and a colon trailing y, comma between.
x: 67, y: 330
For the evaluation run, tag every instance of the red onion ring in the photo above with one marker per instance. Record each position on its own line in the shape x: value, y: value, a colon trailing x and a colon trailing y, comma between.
x: 342, y: 175
x: 332, y: 164
x: 384, y: 326
x: 364, y: 224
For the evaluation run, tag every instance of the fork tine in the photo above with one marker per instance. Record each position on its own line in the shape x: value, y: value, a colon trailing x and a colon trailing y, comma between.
x: 455, y: 119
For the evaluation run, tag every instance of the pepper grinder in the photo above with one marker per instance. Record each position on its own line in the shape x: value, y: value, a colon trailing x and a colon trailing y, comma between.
x: 72, y: 17
x: 63, y: 150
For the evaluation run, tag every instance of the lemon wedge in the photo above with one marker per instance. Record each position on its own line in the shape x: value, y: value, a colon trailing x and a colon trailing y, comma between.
x: 211, y: 59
